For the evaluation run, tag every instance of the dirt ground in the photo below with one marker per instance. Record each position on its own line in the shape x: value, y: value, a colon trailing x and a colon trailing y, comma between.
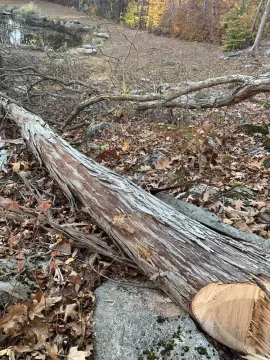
x: 138, y: 58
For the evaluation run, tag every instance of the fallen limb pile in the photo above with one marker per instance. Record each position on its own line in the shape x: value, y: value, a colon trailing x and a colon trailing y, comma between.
x: 221, y: 281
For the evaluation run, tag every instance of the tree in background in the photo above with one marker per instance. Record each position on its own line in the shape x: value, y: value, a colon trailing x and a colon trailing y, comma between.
x: 236, y: 25
x: 132, y: 16
x: 156, y: 9
x: 239, y: 24
x: 199, y: 20
x: 265, y: 17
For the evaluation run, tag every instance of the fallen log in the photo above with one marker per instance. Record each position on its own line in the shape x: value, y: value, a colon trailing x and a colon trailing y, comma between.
x: 223, y: 282
x: 189, y: 96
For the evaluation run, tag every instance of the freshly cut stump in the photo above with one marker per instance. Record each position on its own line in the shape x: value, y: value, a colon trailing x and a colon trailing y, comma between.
x: 237, y: 315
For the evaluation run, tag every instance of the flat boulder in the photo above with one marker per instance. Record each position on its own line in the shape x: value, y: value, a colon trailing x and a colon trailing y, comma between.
x: 139, y: 323
x: 37, y: 18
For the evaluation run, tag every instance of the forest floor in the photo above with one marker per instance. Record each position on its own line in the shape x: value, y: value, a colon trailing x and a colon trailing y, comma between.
x: 210, y: 149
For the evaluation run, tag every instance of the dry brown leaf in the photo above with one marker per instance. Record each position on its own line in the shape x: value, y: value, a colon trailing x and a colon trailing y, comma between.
x: 163, y: 163
x: 238, y: 204
x: 14, y: 321
x: 242, y: 226
x: 70, y: 312
x: 42, y: 302
x: 227, y: 221
x: 259, y: 204
x: 61, y: 245
x: 206, y: 194
x: 75, y: 354
x: 52, y: 351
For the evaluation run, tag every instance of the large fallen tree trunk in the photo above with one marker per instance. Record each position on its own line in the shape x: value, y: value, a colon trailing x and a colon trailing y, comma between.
x: 221, y: 281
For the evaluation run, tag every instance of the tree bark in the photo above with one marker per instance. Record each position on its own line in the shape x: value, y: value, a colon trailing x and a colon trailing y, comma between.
x: 256, y: 15
x: 216, y: 278
x: 257, y: 41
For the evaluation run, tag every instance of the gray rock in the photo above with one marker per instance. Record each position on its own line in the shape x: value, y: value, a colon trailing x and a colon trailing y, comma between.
x: 146, y: 80
x: 212, y: 221
x: 88, y: 46
x: 16, y: 11
x: 37, y: 18
x: 87, y: 51
x: 96, y: 130
x: 102, y: 35
x: 136, y: 92
x: 13, y: 291
x: 134, y: 323
x: 230, y: 55
x: 13, y: 286
x: 197, y: 191
x: 265, y: 217
x: 72, y: 23
x: 242, y: 193
x: 154, y: 158
x: 267, y: 52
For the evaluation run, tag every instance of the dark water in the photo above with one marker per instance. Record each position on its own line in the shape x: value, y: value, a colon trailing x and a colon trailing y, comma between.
x: 50, y: 36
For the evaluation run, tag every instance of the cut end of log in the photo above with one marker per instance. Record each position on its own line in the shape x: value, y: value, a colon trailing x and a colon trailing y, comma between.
x: 237, y: 315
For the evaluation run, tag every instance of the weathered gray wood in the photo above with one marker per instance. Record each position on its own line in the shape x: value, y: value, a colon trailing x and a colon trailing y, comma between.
x: 188, y: 96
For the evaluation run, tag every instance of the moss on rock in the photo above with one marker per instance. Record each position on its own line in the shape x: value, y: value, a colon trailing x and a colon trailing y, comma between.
x: 252, y: 129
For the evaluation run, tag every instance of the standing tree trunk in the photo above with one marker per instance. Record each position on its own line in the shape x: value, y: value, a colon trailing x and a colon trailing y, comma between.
x: 256, y: 16
x: 257, y: 41
x: 220, y: 280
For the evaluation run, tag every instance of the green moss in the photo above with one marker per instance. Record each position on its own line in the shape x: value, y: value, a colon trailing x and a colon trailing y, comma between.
x: 168, y: 348
x: 252, y: 129
x: 266, y: 143
x: 241, y: 193
x: 201, y: 350
x: 185, y: 348
x: 266, y: 163
x: 150, y: 355
x: 161, y: 319
x: 234, y: 185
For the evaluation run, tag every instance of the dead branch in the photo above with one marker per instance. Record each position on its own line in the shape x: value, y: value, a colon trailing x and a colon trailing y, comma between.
x: 247, y: 86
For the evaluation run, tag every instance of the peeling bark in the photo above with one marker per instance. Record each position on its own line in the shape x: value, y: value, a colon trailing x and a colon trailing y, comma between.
x: 182, y: 255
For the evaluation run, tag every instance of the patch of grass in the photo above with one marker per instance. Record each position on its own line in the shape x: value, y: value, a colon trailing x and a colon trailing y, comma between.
x: 29, y: 9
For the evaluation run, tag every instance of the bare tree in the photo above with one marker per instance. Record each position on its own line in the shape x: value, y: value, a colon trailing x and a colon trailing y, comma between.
x: 257, y: 41
x: 259, y: 9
